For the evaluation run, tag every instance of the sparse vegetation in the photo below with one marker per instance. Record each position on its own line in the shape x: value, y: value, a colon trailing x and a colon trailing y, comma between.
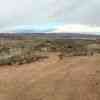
x: 20, y: 51
x: 71, y: 72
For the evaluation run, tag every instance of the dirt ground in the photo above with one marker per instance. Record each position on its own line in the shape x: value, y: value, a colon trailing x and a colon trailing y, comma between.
x: 72, y: 78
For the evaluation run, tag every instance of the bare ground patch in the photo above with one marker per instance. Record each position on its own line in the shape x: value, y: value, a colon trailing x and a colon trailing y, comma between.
x: 72, y: 78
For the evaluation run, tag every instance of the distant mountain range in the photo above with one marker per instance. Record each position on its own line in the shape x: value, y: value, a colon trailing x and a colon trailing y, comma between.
x: 54, y: 28
x: 51, y: 36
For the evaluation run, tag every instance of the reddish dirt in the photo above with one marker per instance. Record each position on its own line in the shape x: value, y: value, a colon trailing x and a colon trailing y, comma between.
x: 72, y: 78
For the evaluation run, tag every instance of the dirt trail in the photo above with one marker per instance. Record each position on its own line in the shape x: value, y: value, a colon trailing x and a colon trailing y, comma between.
x: 73, y: 78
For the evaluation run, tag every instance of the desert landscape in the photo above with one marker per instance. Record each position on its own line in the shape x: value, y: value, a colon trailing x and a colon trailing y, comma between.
x: 34, y: 68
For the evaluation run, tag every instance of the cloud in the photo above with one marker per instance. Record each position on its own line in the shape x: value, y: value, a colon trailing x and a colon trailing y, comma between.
x: 78, y: 11
x: 78, y: 28
x: 42, y: 12
x: 15, y: 12
x: 30, y: 28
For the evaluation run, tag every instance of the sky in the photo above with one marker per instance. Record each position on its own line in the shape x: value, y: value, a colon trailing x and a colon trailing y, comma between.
x: 46, y: 15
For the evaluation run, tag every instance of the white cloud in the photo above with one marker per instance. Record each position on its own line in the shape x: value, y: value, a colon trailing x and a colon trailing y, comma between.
x: 14, y: 12
x: 78, y: 28
x: 38, y: 12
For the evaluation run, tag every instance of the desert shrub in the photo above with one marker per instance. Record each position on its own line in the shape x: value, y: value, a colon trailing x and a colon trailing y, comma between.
x: 15, y: 51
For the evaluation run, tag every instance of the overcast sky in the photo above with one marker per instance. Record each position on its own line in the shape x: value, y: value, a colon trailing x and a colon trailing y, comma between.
x: 42, y: 12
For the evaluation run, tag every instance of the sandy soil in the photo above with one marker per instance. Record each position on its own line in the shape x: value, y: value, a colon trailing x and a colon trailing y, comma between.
x: 72, y: 78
